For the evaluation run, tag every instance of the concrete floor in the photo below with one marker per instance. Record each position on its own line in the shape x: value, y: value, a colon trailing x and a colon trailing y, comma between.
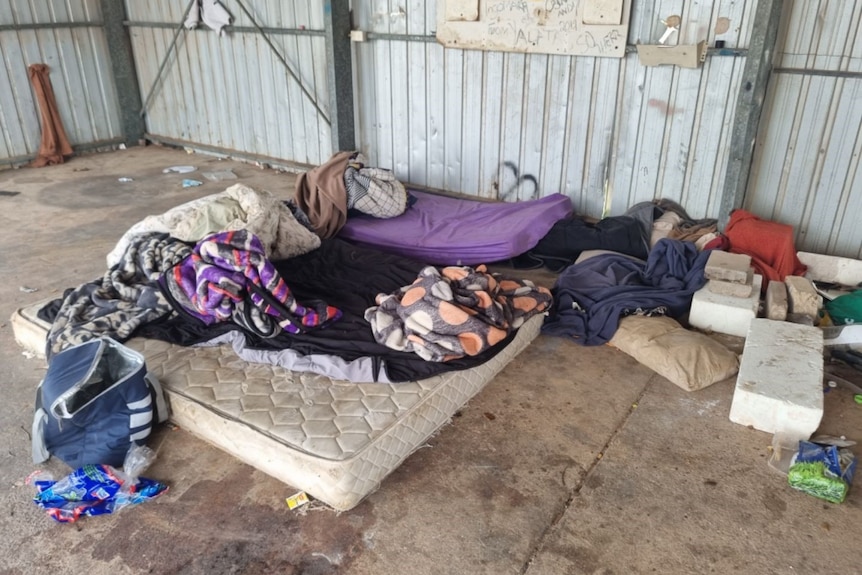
x: 573, y: 460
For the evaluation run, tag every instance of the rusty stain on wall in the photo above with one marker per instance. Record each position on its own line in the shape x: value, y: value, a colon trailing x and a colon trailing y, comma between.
x: 662, y: 107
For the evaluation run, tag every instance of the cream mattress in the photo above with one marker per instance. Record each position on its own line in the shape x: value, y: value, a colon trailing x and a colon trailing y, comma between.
x: 334, y: 440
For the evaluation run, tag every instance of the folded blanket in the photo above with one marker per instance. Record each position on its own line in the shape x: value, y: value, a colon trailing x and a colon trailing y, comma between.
x: 457, y: 311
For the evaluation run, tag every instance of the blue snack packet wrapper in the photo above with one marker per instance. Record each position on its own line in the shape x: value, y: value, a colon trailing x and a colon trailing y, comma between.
x: 93, y: 490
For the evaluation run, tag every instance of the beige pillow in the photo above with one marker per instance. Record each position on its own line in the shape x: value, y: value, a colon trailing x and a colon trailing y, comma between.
x: 689, y: 359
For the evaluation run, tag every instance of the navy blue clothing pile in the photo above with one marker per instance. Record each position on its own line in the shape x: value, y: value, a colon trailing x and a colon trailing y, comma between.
x: 590, y: 297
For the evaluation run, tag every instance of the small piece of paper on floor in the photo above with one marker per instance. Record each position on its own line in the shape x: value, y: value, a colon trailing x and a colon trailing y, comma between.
x: 297, y: 500
x: 179, y: 169
x: 219, y: 175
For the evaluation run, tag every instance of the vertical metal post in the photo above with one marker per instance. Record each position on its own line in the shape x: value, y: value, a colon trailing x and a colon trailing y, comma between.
x: 749, y: 105
x: 340, y: 74
x: 123, y: 70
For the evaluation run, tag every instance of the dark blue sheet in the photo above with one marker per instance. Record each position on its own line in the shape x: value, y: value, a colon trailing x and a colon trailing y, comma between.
x: 592, y: 296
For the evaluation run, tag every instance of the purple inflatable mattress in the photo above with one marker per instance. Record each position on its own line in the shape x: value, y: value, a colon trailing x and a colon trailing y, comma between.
x: 451, y: 231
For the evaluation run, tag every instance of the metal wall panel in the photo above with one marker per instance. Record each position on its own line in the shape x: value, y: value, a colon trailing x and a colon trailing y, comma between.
x: 805, y: 171
x: 231, y: 92
x: 77, y: 56
x: 607, y: 132
x: 821, y: 35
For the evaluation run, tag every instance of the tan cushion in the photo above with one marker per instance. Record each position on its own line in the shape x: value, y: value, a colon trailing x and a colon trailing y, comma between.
x: 689, y: 359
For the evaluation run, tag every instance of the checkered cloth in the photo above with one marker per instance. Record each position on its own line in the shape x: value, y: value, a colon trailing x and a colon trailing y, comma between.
x: 373, y: 191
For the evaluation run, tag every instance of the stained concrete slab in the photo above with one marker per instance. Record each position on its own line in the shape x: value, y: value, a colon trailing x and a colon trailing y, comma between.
x: 492, y: 482
x: 683, y: 490
x: 573, y: 460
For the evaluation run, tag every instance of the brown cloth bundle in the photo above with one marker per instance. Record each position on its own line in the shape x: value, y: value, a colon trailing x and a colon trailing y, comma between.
x: 322, y: 195
x: 54, y: 143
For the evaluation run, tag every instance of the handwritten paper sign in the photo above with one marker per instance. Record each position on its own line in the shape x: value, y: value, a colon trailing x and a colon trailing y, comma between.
x: 575, y: 27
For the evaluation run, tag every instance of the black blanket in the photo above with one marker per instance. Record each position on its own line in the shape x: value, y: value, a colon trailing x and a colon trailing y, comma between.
x: 345, y: 276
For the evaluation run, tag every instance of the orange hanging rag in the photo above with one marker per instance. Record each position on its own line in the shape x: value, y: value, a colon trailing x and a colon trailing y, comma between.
x: 54, y: 143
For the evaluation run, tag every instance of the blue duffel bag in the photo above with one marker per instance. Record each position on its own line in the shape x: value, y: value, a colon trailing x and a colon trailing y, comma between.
x: 94, y: 402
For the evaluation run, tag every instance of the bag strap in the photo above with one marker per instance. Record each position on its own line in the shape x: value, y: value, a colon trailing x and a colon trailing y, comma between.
x: 39, y: 448
x: 161, y: 406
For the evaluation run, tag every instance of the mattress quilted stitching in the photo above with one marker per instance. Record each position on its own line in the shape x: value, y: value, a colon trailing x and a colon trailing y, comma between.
x: 329, y: 419
x: 286, y: 406
x: 332, y: 420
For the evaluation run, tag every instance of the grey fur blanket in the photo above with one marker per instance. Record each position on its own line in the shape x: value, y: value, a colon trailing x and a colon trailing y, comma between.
x: 125, y: 298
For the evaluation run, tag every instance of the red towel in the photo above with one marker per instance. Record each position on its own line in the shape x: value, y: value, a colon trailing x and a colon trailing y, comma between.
x: 770, y: 245
x: 54, y: 143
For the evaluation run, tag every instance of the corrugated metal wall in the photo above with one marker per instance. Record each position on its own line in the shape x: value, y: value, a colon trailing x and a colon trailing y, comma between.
x: 607, y: 132
x: 65, y: 35
x: 232, y: 93
x: 509, y: 125
x: 807, y: 155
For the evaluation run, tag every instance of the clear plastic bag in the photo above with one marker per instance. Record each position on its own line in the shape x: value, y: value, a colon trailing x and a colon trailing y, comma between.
x: 138, y: 459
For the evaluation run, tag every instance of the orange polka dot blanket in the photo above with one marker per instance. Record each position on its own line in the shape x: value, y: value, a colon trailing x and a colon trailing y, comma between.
x: 454, y: 312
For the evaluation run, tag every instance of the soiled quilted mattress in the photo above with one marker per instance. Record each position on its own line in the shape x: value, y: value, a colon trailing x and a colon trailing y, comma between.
x: 334, y: 440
